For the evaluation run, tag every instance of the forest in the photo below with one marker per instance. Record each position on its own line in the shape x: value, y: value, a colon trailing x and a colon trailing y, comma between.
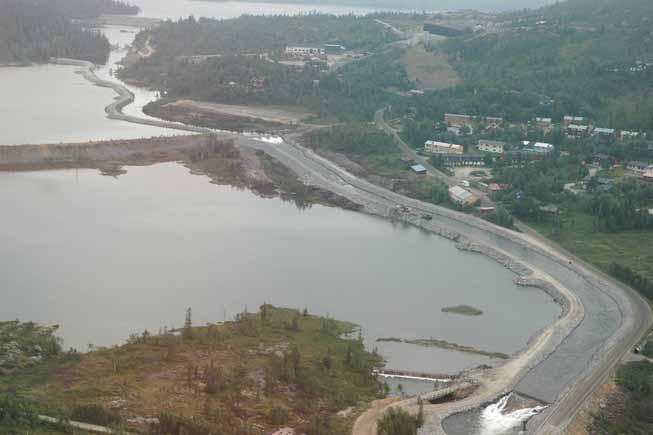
x: 579, y: 57
x: 35, y: 30
x: 248, y: 49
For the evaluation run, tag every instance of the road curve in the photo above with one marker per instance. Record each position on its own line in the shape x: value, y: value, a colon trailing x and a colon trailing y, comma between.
x: 634, y: 312
x: 315, y: 170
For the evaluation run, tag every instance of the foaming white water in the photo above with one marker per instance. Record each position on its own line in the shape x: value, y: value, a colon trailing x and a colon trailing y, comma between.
x: 494, y: 420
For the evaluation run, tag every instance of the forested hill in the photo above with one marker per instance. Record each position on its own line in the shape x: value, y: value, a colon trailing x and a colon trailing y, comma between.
x: 35, y: 30
x: 585, y: 57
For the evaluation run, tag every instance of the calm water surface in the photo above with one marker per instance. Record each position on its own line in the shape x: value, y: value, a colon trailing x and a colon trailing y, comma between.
x: 107, y: 257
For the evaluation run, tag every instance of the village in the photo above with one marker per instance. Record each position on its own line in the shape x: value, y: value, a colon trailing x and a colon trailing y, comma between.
x: 457, y: 159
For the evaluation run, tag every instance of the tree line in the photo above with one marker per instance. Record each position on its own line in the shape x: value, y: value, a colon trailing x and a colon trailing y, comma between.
x: 36, y: 30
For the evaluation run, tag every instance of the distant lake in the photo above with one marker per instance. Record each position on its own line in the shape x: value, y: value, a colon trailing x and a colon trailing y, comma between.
x: 107, y: 257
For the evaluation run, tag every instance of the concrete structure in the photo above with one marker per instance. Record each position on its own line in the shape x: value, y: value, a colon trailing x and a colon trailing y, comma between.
x: 434, y: 147
x: 538, y: 147
x: 461, y: 196
x: 491, y: 146
x: 305, y: 51
x: 418, y: 169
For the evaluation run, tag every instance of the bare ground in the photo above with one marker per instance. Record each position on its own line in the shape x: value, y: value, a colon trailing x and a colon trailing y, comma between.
x: 283, y: 116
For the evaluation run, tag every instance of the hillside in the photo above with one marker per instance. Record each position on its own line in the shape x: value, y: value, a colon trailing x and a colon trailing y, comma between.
x: 35, y: 30
x: 585, y: 57
x: 275, y: 368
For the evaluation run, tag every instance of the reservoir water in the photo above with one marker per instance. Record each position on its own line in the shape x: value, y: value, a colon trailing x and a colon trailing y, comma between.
x: 107, y: 257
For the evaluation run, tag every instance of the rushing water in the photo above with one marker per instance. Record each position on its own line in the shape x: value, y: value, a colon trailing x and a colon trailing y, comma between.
x: 494, y: 419
x: 107, y: 257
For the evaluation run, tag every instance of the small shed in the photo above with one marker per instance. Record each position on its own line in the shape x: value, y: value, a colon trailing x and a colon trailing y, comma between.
x: 418, y: 169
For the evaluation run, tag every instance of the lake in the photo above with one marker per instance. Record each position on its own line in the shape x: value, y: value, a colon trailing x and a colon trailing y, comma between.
x: 107, y: 257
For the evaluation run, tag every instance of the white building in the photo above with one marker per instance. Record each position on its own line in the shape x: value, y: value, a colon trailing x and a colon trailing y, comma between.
x: 491, y: 146
x: 538, y: 147
x: 461, y: 196
x: 433, y: 147
x: 305, y: 51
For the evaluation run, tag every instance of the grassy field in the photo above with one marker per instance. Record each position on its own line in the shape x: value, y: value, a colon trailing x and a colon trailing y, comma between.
x: 578, y: 235
x: 274, y: 368
x: 431, y: 70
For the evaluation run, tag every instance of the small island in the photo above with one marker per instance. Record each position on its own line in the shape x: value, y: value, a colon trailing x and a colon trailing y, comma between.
x: 464, y: 310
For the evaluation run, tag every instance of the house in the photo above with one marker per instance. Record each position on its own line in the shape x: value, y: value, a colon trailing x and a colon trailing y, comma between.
x: 453, y: 120
x: 639, y: 167
x: 461, y: 196
x: 461, y: 160
x: 573, y: 120
x: 625, y: 134
x: 545, y: 125
x: 334, y: 49
x: 648, y: 176
x: 494, y: 187
x: 434, y: 147
x: 305, y: 51
x: 418, y: 169
x: 491, y: 146
x: 416, y: 92
x: 538, y: 147
x: 601, y: 159
x: 604, y: 132
x: 491, y: 123
x: 577, y: 130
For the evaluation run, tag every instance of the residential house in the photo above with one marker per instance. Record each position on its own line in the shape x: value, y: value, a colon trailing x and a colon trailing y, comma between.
x: 604, y: 132
x: 454, y: 120
x: 305, y: 51
x: 538, y: 147
x: 639, y: 167
x: 491, y: 146
x: 461, y: 196
x: 648, y: 176
x: 434, y: 147
x: 577, y: 130
x: 573, y: 120
x: 450, y: 160
x: 545, y: 125
x: 625, y: 134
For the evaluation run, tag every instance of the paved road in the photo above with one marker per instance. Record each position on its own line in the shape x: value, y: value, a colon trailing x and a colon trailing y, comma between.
x: 561, y: 413
x: 409, y: 152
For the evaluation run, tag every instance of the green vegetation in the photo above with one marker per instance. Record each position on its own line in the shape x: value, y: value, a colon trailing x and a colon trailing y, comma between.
x: 378, y: 158
x: 578, y: 61
x: 275, y: 367
x: 26, y: 344
x: 248, y: 49
x: 464, y: 310
x: 629, y: 409
x: 443, y: 344
x: 396, y: 421
x: 36, y: 30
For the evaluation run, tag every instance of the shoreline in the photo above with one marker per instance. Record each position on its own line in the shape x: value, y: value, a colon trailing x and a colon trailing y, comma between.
x: 315, y: 170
